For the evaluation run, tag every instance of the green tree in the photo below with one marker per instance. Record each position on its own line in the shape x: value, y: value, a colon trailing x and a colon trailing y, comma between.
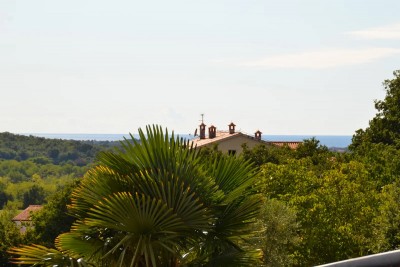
x: 262, y: 154
x: 159, y: 203
x: 389, y: 217
x: 210, y: 153
x: 385, y: 126
x: 9, y: 235
x: 53, y: 219
x: 336, y: 208
x: 4, y: 196
x: 34, y: 196
x: 279, y: 238
x: 382, y: 162
x: 311, y: 148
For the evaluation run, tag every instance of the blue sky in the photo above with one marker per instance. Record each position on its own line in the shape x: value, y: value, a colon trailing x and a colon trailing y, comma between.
x: 283, y: 67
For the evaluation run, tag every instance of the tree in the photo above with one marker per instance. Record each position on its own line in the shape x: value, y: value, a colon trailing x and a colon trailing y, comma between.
x: 389, y: 217
x: 34, y: 196
x: 4, y: 196
x: 382, y: 162
x: 157, y: 202
x: 262, y: 154
x: 336, y: 208
x: 310, y: 148
x: 385, y: 126
x: 9, y: 234
x: 280, y: 236
x: 53, y: 219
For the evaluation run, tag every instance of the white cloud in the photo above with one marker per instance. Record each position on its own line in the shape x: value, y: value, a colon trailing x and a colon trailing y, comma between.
x: 323, y: 59
x: 386, y: 32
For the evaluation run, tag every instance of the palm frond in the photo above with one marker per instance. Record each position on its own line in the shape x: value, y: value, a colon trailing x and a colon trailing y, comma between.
x: 84, y: 246
x: 157, y: 199
x: 234, y: 176
x: 37, y: 255
x: 97, y: 183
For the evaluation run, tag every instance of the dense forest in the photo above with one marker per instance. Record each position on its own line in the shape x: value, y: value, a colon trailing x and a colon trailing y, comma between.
x: 269, y: 206
x: 55, y: 151
x: 32, y: 168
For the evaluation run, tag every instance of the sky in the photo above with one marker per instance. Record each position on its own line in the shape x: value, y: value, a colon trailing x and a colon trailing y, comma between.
x: 285, y: 67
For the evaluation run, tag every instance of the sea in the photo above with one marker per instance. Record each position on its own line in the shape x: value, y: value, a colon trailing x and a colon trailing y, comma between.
x: 336, y: 141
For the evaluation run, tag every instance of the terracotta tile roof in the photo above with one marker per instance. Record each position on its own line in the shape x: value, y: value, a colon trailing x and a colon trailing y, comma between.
x: 218, y: 137
x: 25, y: 214
x: 290, y: 144
x: 225, y: 135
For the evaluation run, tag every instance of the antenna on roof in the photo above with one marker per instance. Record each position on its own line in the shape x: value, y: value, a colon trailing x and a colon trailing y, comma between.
x: 202, y: 117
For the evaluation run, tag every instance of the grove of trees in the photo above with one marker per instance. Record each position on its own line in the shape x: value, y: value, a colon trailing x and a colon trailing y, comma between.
x: 159, y: 202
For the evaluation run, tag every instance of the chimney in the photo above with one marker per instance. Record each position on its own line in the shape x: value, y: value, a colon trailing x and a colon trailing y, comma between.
x: 212, y: 132
x: 257, y: 135
x: 202, y: 131
x: 231, y: 128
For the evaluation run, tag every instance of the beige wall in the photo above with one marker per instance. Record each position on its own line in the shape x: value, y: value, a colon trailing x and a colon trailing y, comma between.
x: 235, y: 143
x: 23, y: 226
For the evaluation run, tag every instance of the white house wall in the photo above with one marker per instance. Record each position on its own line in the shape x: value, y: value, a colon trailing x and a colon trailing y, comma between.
x: 236, y: 143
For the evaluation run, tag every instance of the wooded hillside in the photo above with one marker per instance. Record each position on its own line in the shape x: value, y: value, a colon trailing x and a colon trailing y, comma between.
x: 56, y: 151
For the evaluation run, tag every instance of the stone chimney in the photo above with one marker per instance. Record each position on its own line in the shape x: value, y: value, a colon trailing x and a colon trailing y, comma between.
x: 212, y: 132
x: 257, y: 135
x: 231, y: 128
x: 202, y: 131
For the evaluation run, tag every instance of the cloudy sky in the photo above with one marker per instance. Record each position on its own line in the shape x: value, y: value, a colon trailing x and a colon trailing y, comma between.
x: 283, y: 67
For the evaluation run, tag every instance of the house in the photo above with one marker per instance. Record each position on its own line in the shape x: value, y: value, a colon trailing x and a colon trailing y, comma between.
x: 23, y: 219
x: 231, y: 141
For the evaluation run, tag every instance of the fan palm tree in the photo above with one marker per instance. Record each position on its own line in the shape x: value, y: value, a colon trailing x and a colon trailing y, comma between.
x: 159, y: 202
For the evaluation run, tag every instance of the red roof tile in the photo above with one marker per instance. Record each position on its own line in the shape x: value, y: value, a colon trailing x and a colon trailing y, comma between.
x: 25, y: 214
x: 224, y: 135
x: 290, y: 144
x: 220, y: 135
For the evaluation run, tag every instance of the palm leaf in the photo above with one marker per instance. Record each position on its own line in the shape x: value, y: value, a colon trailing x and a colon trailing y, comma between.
x: 36, y: 255
x: 154, y: 200
x: 90, y: 247
x: 234, y: 176
x: 97, y: 183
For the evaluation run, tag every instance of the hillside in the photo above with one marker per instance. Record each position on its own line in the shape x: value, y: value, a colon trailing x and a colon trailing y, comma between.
x: 56, y: 151
x: 34, y: 168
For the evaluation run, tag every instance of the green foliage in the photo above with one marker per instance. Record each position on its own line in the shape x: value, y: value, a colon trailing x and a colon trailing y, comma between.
x: 9, y: 234
x: 56, y: 151
x: 53, y: 219
x: 280, y: 234
x: 49, y: 222
x: 335, y: 207
x: 262, y: 154
x: 382, y: 162
x: 4, y: 196
x: 37, y: 255
x: 385, y: 126
x: 161, y: 203
x: 388, y: 218
x: 31, y: 169
x: 28, y: 183
x: 19, y: 171
x: 210, y: 153
x: 309, y: 148
x: 34, y: 196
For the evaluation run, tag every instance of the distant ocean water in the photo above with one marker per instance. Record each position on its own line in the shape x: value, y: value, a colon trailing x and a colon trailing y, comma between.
x: 341, y: 141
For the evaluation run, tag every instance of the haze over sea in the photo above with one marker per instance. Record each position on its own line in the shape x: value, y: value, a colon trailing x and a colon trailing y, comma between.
x: 341, y: 141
